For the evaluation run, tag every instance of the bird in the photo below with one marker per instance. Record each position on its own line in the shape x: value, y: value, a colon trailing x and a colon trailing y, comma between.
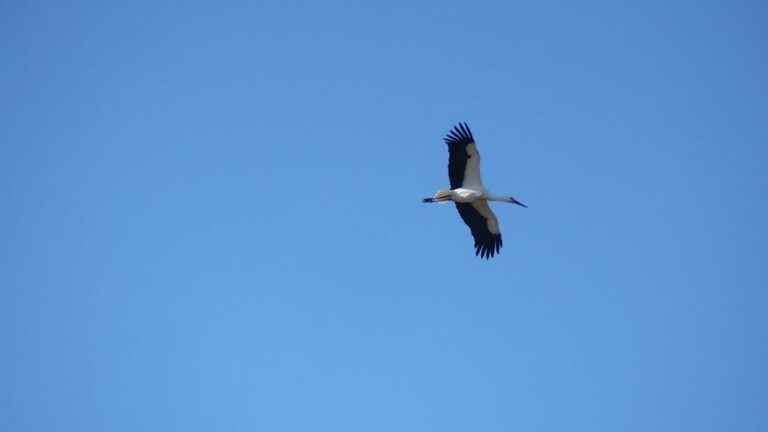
x: 468, y: 193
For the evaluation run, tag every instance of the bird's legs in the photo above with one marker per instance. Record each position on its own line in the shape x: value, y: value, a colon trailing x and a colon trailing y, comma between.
x: 436, y: 200
x: 442, y: 195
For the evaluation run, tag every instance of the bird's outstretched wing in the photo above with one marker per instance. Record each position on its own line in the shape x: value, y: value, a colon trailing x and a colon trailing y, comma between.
x: 484, y: 226
x: 463, y: 158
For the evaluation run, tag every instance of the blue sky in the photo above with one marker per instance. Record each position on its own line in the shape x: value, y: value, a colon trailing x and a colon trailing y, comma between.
x: 212, y: 217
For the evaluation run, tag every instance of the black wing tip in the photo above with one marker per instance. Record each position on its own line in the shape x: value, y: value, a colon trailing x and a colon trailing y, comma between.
x: 488, y: 247
x: 459, y: 134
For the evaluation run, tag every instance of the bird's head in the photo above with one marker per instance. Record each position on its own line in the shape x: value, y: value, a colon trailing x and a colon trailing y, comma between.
x: 515, y: 201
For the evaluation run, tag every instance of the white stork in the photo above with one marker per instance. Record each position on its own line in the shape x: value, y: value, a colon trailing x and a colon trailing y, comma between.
x: 469, y: 194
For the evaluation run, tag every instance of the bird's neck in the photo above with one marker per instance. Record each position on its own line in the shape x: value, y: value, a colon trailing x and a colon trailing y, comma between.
x: 491, y: 197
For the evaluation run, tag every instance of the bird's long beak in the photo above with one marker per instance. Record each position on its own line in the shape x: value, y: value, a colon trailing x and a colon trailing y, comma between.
x: 514, y: 201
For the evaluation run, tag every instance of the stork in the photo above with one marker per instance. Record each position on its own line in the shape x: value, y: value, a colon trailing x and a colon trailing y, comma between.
x: 469, y: 194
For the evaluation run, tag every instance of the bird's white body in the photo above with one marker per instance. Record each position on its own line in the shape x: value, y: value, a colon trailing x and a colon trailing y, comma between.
x: 467, y: 195
x: 462, y: 195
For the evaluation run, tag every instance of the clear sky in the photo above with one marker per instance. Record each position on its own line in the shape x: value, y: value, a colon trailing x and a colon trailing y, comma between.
x: 211, y: 216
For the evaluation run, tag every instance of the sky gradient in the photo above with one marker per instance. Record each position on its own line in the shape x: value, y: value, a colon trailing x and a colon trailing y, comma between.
x: 212, y: 220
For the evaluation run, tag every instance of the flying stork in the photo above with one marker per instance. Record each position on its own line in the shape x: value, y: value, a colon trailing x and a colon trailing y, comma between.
x: 469, y: 194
